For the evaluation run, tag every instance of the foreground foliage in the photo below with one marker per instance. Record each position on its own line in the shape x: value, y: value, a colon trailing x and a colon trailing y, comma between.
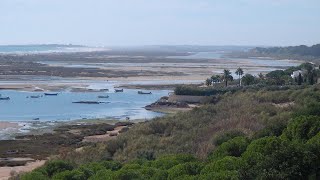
x: 238, y: 158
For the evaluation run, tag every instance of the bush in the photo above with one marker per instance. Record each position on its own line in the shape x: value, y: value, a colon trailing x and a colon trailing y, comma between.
x: 222, y: 175
x: 234, y: 147
x: 313, y: 145
x: 228, y: 163
x: 57, y: 166
x: 302, y: 128
x: 274, y: 128
x: 70, y: 175
x: 167, y: 162
x: 112, y: 165
x: 103, y: 175
x: 199, y: 91
x: 248, y: 79
x: 221, y: 138
x: 34, y: 176
x: 274, y: 158
x: 126, y: 174
x: 310, y: 108
x: 190, y: 168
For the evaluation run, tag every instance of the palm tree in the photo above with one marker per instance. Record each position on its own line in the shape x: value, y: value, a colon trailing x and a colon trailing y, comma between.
x: 227, y: 76
x: 239, y: 72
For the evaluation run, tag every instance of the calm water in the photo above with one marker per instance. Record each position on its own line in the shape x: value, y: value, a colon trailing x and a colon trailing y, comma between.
x: 250, y: 61
x: 60, y: 108
x: 201, y: 55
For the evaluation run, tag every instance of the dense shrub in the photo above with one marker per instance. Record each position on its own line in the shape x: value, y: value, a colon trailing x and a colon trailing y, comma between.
x: 57, y: 166
x: 226, y: 136
x: 274, y: 158
x: 228, y: 163
x: 102, y: 175
x: 167, y: 162
x: 112, y: 165
x: 234, y: 147
x: 126, y: 174
x: 209, y: 91
x: 313, y: 145
x: 302, y: 128
x: 190, y: 169
x: 34, y: 176
x: 227, y: 175
x: 275, y: 128
x: 70, y: 175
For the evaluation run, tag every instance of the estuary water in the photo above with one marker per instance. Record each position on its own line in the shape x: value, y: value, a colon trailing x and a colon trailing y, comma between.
x: 21, y: 107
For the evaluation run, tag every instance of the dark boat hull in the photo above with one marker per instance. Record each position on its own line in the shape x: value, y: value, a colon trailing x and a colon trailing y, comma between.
x: 51, y: 94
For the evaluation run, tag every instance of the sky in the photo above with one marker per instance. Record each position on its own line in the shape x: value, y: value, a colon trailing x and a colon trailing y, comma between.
x: 160, y: 22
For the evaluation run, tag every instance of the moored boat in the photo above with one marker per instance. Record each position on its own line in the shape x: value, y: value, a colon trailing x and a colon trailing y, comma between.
x: 89, y: 102
x: 118, y: 90
x: 38, y: 96
x: 103, y: 96
x: 4, y: 98
x: 141, y: 92
x: 51, y: 94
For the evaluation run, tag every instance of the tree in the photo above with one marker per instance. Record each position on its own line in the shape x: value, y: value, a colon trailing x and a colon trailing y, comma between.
x: 300, y: 80
x: 275, y: 158
x: 248, y: 79
x: 227, y: 76
x: 239, y: 72
x: 216, y: 78
x: 261, y: 76
x: 302, y: 128
x: 208, y: 82
x: 234, y: 147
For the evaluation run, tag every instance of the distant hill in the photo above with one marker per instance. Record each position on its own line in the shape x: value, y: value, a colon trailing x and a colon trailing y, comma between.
x: 302, y: 50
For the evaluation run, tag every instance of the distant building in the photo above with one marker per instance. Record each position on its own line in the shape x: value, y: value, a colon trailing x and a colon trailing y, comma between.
x: 295, y: 74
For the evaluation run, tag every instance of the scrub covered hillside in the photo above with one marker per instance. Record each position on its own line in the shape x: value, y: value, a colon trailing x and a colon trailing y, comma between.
x: 265, y: 133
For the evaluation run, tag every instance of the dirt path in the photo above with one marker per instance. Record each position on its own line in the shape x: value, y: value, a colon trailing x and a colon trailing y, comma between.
x: 105, y: 137
x: 6, y: 172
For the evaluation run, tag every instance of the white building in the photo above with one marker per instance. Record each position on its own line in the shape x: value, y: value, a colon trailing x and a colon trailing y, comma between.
x: 295, y: 74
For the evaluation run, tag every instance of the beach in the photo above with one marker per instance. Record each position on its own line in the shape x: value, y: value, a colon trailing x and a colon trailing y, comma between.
x: 6, y: 125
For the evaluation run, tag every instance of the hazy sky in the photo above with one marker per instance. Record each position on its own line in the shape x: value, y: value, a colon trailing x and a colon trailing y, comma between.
x: 153, y: 22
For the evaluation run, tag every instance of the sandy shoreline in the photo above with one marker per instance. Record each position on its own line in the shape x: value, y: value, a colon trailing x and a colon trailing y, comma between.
x: 7, y: 124
x: 6, y: 172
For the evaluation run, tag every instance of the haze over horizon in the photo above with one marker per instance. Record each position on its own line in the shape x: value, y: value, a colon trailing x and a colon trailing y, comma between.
x: 165, y: 22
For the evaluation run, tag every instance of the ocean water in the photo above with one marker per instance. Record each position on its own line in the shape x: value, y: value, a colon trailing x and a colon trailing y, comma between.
x: 201, y: 55
x: 60, y: 108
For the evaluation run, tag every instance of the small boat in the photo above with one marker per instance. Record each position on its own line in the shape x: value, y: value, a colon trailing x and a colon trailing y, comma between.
x: 51, y: 94
x: 89, y: 102
x: 118, y: 90
x: 36, y: 119
x: 141, y: 92
x: 4, y: 98
x: 38, y: 96
x: 104, y: 90
x: 103, y: 96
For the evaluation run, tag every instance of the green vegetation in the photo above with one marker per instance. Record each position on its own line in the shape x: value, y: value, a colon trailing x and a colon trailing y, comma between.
x: 268, y: 157
x: 251, y: 133
x: 308, y: 74
x: 262, y: 130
